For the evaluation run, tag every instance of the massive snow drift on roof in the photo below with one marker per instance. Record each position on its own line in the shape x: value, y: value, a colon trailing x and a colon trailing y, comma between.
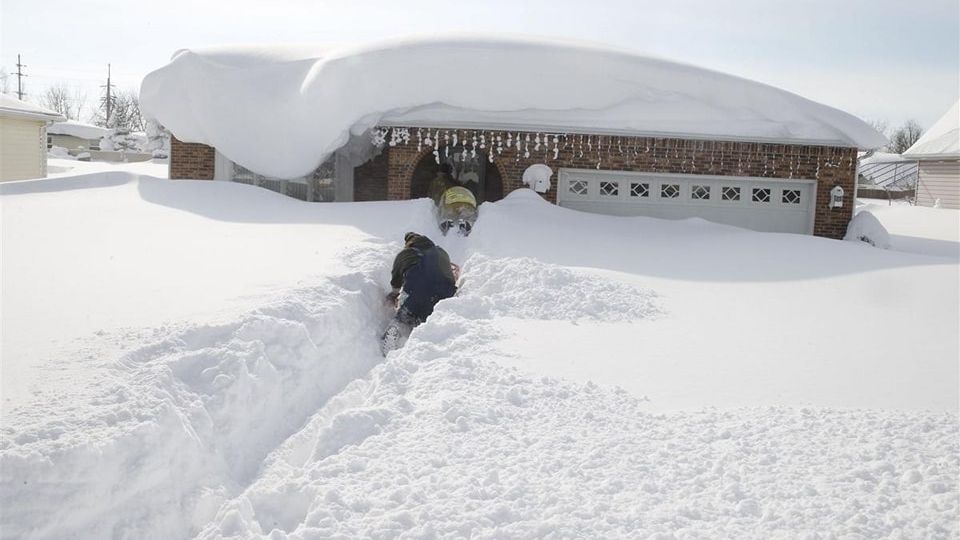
x: 281, y: 111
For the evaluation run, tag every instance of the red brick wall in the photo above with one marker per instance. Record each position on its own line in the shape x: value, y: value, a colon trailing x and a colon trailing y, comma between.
x: 191, y: 160
x: 389, y: 175
x: 370, y: 179
x: 830, y: 166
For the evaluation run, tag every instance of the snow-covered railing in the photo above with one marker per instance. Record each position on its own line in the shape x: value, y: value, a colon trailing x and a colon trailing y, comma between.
x: 890, y: 175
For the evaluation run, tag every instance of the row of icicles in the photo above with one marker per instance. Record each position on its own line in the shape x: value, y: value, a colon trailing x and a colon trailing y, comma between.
x: 548, y: 142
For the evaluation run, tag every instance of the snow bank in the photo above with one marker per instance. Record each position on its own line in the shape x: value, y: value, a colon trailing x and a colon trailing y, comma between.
x: 865, y: 227
x: 915, y: 229
x: 78, y: 129
x: 301, y: 104
x: 941, y: 141
x: 443, y: 441
x: 159, y: 439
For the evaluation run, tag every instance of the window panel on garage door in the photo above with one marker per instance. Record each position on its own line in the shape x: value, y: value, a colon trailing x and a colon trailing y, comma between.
x: 756, y: 203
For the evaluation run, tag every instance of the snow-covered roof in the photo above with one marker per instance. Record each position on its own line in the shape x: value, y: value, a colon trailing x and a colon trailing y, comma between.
x: 281, y: 110
x: 13, y: 107
x: 78, y: 129
x: 941, y: 141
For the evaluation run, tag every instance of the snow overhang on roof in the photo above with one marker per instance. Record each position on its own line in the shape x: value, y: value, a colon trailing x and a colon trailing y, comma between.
x: 78, y: 129
x: 282, y: 111
x: 12, y: 107
x: 941, y: 141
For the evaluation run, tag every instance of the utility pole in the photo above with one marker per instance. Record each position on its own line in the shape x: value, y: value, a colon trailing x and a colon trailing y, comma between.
x: 20, y: 76
x: 109, y: 98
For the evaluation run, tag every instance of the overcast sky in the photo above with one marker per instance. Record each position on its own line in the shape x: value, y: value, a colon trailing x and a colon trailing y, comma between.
x: 877, y: 59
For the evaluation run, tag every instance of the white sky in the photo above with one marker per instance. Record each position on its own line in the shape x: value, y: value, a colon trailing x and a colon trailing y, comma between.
x: 878, y: 59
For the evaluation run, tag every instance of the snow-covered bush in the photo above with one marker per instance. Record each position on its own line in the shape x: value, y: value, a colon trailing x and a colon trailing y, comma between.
x: 158, y: 139
x: 58, y: 152
x: 865, y: 227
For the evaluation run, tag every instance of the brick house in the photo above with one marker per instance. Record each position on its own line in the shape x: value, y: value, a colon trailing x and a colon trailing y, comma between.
x: 780, y: 183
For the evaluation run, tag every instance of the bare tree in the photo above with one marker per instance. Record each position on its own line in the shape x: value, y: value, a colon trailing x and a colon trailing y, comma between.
x: 61, y: 98
x: 904, y: 136
x: 882, y: 127
x: 57, y: 98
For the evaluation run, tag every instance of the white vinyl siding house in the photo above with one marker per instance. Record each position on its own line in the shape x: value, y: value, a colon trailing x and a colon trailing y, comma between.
x: 939, y: 181
x: 23, y: 139
x: 938, y: 154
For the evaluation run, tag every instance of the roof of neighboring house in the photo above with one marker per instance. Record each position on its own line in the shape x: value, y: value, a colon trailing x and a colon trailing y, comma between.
x: 13, y: 107
x: 78, y: 129
x: 280, y: 110
x: 941, y: 141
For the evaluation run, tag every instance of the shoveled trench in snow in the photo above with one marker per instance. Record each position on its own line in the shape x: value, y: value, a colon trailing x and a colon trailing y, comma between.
x: 184, y: 422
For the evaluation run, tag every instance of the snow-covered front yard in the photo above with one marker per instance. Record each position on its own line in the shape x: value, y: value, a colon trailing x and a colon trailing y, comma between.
x: 189, y: 358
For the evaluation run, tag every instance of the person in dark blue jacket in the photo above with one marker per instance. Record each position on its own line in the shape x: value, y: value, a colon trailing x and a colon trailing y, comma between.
x: 422, y: 276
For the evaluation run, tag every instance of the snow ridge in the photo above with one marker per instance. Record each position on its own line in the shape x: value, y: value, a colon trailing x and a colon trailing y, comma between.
x: 180, y: 424
x: 444, y: 441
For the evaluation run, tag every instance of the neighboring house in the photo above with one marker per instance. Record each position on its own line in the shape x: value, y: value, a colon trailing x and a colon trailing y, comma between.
x: 74, y: 135
x: 23, y: 138
x: 938, y: 153
x: 621, y: 134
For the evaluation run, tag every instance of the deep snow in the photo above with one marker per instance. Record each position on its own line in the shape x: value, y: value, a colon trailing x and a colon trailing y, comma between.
x: 302, y: 103
x: 219, y: 376
x: 912, y: 229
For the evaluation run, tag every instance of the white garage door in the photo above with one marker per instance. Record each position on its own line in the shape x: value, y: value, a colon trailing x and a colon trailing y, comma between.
x: 754, y: 203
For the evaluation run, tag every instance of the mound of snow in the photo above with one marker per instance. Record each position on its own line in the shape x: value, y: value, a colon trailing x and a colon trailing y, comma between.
x: 528, y: 289
x: 865, y: 227
x: 917, y: 229
x: 301, y: 104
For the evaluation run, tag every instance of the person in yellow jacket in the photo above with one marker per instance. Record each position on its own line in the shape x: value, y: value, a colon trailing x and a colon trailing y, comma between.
x: 457, y: 208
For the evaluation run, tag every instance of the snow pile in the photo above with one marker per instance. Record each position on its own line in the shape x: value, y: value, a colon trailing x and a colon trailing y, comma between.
x: 941, y: 141
x: 78, y: 129
x: 446, y: 446
x: 59, y: 152
x: 180, y: 422
x: 915, y: 229
x: 301, y: 104
x: 528, y: 289
x: 865, y: 227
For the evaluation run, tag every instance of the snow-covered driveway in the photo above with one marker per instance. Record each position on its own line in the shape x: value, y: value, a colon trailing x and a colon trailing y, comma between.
x: 215, y: 374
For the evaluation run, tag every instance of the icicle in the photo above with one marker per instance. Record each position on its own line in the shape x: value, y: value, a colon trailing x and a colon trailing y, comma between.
x: 589, y: 145
x: 509, y: 139
x: 499, y: 144
x: 436, y: 140
x: 436, y: 156
x: 454, y: 139
x: 581, y: 145
x: 537, y: 147
x: 419, y: 140
x: 483, y: 141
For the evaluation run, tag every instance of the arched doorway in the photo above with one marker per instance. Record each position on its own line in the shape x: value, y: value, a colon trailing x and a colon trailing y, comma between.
x: 466, y: 166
